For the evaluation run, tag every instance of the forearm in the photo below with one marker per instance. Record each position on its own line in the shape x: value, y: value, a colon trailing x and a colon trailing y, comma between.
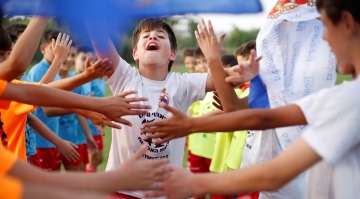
x: 228, y: 97
x: 21, y: 56
x: 43, y: 96
x: 71, y: 83
x: 54, y: 111
x: 36, y: 124
x: 51, y: 73
x: 252, y: 179
x: 84, y: 126
x: 100, y: 182
x: 249, y: 119
x: 46, y: 191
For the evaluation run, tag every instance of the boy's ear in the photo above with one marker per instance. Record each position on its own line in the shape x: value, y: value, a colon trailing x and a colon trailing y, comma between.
x: 173, y: 55
x: 135, y: 56
x: 349, y: 22
x: 42, y: 48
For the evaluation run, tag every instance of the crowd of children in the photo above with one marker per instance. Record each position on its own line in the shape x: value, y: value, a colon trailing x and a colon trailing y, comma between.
x: 275, y: 127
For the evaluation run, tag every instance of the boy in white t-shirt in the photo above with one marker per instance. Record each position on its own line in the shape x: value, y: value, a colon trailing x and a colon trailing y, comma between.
x: 330, y: 143
x: 154, y: 50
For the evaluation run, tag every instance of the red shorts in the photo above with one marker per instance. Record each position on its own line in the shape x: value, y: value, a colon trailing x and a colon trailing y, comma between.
x: 99, y: 141
x: 48, y: 159
x: 120, y: 196
x: 198, y: 164
x: 248, y: 195
x: 83, y: 160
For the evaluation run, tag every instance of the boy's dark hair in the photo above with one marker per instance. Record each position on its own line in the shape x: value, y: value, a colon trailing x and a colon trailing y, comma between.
x: 228, y: 60
x: 188, y: 52
x: 84, y: 49
x: 150, y: 24
x: 49, y: 35
x: 334, y: 8
x: 5, y: 40
x: 198, y: 53
x: 245, y: 48
x: 15, y: 30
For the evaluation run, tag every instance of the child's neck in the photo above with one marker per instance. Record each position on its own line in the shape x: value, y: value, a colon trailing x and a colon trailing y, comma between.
x: 153, y: 73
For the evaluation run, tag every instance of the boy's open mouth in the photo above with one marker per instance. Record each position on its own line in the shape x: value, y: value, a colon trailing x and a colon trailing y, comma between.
x: 152, y: 46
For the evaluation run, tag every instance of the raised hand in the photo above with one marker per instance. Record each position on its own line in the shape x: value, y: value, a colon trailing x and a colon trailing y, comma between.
x: 117, y: 106
x: 100, y: 68
x: 61, y: 47
x: 174, y: 127
x: 68, y: 150
x: 245, y: 71
x: 141, y: 174
x: 206, y: 38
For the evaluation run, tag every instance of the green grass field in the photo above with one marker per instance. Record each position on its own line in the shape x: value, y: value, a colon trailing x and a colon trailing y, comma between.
x: 107, y: 137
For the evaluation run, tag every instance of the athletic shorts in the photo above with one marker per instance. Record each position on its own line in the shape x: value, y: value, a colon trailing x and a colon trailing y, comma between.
x: 48, y: 159
x: 198, y: 164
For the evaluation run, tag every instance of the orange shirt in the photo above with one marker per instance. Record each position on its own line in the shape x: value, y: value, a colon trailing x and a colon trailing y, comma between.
x: 10, y: 188
x: 14, y: 120
x: 4, y: 104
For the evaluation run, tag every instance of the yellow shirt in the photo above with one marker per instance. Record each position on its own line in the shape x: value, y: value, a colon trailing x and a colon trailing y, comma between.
x: 235, y: 153
x: 222, y: 146
x: 203, y: 143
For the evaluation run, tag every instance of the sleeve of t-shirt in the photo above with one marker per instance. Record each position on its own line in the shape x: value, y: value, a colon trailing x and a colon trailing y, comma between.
x: 4, y: 104
x: 194, y: 87
x: 121, y: 76
x: 35, y: 74
x: 7, y: 160
x: 10, y: 188
x: 22, y: 108
x: 332, y: 116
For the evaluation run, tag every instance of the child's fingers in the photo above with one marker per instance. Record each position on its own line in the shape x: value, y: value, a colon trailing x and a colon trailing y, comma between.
x: 58, y: 38
x: 69, y: 44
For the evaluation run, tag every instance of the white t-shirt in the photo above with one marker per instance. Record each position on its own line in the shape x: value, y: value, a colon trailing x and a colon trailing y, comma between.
x: 182, y: 89
x: 333, y: 131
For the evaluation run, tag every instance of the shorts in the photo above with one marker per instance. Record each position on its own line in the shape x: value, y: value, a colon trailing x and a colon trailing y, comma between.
x: 254, y: 195
x: 99, y: 141
x: 198, y: 164
x: 83, y: 160
x: 48, y: 159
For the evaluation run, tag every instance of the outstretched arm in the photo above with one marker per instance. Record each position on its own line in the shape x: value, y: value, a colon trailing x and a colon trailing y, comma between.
x: 112, y: 107
x: 180, y: 125
x: 296, y: 159
x: 23, y: 50
x: 106, y: 48
x: 134, y: 174
x: 97, y: 70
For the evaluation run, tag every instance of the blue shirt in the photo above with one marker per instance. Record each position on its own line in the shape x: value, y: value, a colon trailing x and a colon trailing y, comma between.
x: 35, y: 75
x: 98, y: 87
x: 258, y: 97
x: 68, y: 123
